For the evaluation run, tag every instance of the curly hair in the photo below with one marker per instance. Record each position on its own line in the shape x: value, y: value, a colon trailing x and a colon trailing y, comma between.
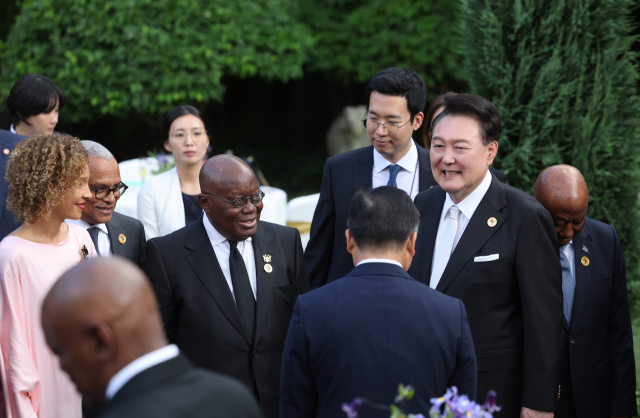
x: 41, y: 172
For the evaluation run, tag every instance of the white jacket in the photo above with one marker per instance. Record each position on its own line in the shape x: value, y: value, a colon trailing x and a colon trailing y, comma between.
x: 160, y: 205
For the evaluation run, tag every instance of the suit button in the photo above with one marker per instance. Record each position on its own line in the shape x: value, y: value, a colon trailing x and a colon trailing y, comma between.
x: 571, y: 340
x: 255, y: 354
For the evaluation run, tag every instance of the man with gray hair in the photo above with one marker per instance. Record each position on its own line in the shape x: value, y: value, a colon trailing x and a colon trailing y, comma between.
x: 377, y: 327
x: 112, y: 233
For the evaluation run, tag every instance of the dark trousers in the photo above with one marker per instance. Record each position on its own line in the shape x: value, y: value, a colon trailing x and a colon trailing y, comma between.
x: 508, y: 385
x: 567, y: 408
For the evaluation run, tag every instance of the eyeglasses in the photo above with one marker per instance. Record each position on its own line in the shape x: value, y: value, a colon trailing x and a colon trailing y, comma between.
x: 392, y: 128
x: 103, y: 191
x: 242, y: 200
x: 195, y: 135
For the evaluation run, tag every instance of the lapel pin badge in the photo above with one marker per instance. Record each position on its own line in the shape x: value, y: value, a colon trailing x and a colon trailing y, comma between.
x: 268, y: 268
x: 584, y: 261
x: 267, y: 259
x: 84, y: 253
x: 585, y: 249
x: 122, y: 239
x: 6, y: 151
x: 492, y: 222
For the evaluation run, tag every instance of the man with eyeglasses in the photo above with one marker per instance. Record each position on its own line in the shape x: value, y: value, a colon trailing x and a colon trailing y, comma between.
x: 226, y: 285
x: 112, y: 233
x: 397, y: 97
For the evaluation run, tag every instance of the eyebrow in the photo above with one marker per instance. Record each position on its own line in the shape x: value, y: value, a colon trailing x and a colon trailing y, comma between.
x: 455, y: 141
x: 389, y: 116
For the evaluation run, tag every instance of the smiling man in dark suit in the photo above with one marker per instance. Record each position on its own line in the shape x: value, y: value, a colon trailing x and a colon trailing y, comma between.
x: 226, y: 285
x: 112, y: 233
x: 493, y: 247
x: 598, y: 374
x: 396, y: 100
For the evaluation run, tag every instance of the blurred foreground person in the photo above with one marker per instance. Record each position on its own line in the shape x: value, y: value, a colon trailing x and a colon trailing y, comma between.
x: 226, y: 285
x: 169, y: 201
x: 396, y: 100
x: 48, y: 183
x: 112, y: 233
x: 377, y: 327
x: 598, y: 374
x: 493, y: 247
x: 102, y: 319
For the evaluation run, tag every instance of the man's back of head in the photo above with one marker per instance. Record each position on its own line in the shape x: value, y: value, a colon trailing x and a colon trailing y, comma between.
x: 382, y: 223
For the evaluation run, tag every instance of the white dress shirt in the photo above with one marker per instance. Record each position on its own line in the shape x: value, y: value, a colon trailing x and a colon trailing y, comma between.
x: 139, y: 365
x: 104, y: 243
x: 380, y: 260
x: 467, y: 207
x: 570, y: 252
x: 12, y: 130
x: 407, y: 176
x: 222, y: 249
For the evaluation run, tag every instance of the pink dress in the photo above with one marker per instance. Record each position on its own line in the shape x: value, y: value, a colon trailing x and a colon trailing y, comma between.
x: 35, y: 384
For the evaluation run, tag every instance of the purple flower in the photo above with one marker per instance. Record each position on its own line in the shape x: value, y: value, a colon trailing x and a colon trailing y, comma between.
x: 491, y: 402
x: 162, y: 159
x: 352, y: 408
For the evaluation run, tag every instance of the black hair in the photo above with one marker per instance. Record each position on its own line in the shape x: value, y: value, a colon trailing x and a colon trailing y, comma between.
x: 384, y: 217
x: 32, y: 95
x: 477, y: 107
x: 174, y: 114
x: 401, y: 82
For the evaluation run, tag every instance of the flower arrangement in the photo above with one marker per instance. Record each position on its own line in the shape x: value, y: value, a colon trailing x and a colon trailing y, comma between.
x: 449, y: 405
x: 165, y: 162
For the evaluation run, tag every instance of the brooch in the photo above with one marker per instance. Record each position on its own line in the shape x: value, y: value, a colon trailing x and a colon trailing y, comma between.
x: 267, y: 259
x: 84, y: 253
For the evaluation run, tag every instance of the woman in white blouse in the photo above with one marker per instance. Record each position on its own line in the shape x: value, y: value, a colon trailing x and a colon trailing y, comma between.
x: 169, y: 201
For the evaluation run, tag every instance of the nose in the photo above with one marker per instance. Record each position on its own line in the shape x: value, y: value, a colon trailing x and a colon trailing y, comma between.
x: 248, y: 207
x: 86, y: 192
x: 110, y: 198
x: 567, y: 231
x: 54, y: 118
x: 448, y: 157
x: 381, y: 130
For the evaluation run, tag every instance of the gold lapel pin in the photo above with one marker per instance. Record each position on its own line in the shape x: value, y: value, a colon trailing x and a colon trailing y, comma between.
x: 122, y: 239
x: 492, y: 222
x: 268, y: 268
x: 266, y: 258
x: 6, y: 151
x: 584, y: 261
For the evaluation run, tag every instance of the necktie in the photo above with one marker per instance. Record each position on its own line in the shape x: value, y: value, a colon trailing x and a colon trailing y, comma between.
x: 93, y: 233
x: 394, y: 169
x: 242, y: 288
x: 445, y: 248
x: 568, y: 286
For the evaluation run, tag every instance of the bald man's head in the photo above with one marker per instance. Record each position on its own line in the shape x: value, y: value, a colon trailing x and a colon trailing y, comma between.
x: 561, y: 189
x: 223, y: 179
x: 98, y: 317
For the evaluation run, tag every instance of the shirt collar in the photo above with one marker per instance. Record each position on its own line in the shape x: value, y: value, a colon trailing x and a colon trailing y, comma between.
x: 469, y: 204
x: 12, y: 129
x: 569, y: 245
x: 408, y: 162
x: 380, y: 260
x: 214, y: 236
x: 80, y: 222
x: 139, y: 365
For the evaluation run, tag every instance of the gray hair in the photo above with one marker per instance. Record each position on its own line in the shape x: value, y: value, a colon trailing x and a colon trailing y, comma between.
x: 96, y: 150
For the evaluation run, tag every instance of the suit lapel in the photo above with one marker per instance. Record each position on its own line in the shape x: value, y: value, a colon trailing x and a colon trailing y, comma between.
x: 363, y: 171
x: 113, y: 227
x: 427, y: 235
x: 205, y: 265
x: 264, y: 281
x: 477, y: 232
x: 426, y: 180
x: 583, y: 273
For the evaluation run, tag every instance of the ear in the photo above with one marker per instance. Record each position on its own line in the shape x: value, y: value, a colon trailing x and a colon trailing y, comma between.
x: 493, y: 151
x: 204, y: 203
x: 411, y: 244
x: 417, y: 120
x: 104, y: 342
x: 351, y: 243
x: 167, y: 147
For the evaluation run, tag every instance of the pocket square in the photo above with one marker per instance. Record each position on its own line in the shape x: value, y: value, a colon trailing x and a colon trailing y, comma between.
x: 483, y: 258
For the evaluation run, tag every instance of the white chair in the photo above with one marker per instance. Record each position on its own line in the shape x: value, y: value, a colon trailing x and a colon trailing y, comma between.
x: 300, y: 214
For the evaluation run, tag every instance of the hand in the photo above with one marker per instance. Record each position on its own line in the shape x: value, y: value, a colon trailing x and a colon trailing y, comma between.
x: 532, y: 413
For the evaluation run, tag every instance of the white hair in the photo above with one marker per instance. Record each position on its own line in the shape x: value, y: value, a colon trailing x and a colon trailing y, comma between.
x: 96, y: 150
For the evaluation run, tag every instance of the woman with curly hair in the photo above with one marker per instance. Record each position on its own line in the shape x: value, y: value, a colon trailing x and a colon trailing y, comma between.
x: 48, y: 183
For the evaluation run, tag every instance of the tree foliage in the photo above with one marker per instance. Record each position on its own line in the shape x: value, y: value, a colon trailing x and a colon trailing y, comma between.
x: 564, y: 79
x: 355, y: 39
x: 145, y: 56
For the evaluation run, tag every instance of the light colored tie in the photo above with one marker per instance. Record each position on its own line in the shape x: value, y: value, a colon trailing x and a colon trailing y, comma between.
x: 444, y: 247
x: 568, y: 286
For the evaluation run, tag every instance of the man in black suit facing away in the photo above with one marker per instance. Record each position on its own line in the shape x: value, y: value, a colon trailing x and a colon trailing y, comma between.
x: 396, y: 100
x: 344, y: 338
x: 493, y: 247
x: 112, y: 233
x: 598, y: 374
x: 102, y: 319
x: 226, y: 285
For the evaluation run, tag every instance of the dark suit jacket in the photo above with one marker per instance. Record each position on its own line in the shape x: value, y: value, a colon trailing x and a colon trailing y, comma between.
x: 364, y: 334
x: 135, y: 245
x: 175, y: 389
x: 514, y: 303
x: 599, y: 372
x: 8, y: 141
x: 326, y: 256
x: 201, y: 316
